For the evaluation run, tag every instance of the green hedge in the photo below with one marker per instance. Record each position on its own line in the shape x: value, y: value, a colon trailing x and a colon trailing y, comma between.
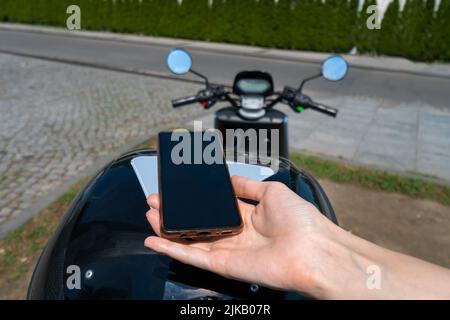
x: 417, y: 32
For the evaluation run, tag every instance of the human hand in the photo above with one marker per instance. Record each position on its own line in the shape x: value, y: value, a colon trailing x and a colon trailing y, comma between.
x: 279, y: 246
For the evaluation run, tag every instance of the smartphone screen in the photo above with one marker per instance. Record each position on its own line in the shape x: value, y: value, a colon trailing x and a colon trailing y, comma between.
x: 194, y: 195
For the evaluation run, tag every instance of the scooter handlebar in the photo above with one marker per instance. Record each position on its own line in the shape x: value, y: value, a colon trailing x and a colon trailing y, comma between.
x: 184, y: 101
x: 324, y: 109
x: 301, y: 100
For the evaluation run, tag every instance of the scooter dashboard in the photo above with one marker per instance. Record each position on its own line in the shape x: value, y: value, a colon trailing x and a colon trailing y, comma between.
x: 253, y: 83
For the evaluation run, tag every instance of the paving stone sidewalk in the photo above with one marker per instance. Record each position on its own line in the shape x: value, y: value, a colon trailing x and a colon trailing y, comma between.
x: 56, y: 120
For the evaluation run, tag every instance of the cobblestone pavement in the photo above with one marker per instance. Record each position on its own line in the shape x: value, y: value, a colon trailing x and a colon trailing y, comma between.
x: 57, y: 119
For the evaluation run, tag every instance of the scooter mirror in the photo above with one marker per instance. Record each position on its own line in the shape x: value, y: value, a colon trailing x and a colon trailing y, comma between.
x: 179, y: 61
x: 334, y: 68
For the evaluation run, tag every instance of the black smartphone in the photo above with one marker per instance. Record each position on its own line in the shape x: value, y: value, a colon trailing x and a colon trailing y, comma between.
x: 196, y: 194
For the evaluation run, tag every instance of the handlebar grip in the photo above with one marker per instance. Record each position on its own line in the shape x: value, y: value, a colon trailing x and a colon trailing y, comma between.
x: 324, y: 109
x: 183, y: 102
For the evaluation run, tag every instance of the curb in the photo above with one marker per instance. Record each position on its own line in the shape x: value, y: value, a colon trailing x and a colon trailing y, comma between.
x: 382, y: 63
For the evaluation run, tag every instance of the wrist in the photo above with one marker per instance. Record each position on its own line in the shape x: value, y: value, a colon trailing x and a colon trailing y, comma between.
x: 338, y: 269
x: 344, y: 266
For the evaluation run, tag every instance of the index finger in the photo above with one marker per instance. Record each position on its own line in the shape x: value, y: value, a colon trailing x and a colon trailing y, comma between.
x: 248, y: 189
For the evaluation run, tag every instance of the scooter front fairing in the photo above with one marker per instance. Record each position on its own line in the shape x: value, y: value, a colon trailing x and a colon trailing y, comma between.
x: 102, y: 235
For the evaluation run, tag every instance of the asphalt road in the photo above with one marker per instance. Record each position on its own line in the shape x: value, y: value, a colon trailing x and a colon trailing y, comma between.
x: 221, y: 67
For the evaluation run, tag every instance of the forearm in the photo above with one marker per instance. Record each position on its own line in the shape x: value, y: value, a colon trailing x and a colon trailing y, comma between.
x: 353, y: 268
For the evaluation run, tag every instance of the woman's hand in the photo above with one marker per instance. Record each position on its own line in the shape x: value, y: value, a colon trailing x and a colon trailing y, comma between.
x: 287, y: 244
x: 278, y: 247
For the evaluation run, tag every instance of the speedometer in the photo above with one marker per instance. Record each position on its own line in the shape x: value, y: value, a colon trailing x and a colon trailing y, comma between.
x: 255, y: 83
x: 253, y: 86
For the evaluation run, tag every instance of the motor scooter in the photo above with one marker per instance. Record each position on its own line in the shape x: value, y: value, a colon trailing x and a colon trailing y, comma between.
x: 97, y: 251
